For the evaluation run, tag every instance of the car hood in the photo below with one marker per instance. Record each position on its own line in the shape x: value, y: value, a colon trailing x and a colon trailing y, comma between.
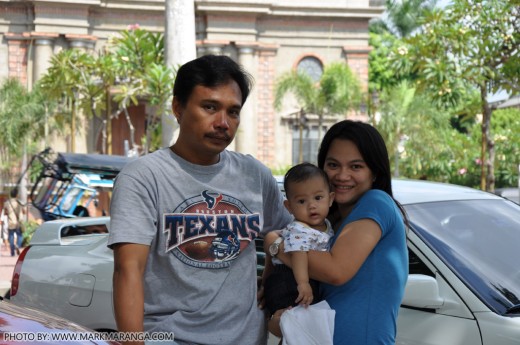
x: 499, y: 330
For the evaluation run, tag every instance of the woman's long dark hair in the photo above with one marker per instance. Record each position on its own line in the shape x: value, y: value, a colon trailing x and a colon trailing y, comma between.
x: 372, y: 147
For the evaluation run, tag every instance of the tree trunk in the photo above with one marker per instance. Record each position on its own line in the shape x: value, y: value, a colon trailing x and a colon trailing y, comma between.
x: 487, y: 175
x: 108, y: 131
x: 73, y: 126
x: 131, y: 128
x: 320, y: 127
x: 179, y: 42
x: 23, y: 179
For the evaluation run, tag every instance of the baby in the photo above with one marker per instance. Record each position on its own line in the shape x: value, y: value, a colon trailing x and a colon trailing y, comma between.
x: 308, y: 199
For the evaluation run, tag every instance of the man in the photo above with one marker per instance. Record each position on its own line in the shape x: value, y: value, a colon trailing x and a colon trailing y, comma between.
x: 183, y: 220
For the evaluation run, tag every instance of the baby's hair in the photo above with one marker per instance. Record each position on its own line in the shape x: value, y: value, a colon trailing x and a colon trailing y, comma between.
x: 303, y: 172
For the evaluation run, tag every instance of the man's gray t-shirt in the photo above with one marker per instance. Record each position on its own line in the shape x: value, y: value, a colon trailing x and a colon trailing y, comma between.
x: 200, y: 223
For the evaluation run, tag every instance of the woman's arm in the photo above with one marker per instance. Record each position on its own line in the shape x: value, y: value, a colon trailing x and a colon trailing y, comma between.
x: 349, y: 252
x: 354, y: 244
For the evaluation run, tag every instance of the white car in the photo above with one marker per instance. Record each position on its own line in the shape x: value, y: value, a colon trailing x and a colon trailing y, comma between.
x: 463, y: 287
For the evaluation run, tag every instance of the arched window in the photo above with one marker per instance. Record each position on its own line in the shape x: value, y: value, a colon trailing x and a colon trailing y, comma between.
x: 311, y: 66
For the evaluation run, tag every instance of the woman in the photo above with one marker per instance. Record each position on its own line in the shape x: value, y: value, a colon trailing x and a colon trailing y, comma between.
x: 364, y: 274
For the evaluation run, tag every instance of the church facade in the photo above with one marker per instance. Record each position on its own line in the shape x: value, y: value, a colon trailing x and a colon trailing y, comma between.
x: 268, y: 37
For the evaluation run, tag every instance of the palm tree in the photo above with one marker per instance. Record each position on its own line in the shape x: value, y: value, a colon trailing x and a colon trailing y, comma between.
x: 22, y: 119
x: 402, y: 17
x: 407, y: 120
x: 132, y: 66
x: 337, y: 92
x: 67, y: 80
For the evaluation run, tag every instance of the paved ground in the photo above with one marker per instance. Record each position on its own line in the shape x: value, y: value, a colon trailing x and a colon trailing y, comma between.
x: 7, y: 263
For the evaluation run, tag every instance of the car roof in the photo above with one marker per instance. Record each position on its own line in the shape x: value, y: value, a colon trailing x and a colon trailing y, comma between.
x: 419, y: 191
x: 509, y: 193
x: 106, y: 165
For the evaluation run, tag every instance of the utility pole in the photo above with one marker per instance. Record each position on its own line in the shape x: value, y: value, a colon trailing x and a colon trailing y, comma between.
x: 180, y: 47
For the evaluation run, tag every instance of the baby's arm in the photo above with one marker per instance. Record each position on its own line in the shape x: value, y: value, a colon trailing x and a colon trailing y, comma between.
x: 300, y: 269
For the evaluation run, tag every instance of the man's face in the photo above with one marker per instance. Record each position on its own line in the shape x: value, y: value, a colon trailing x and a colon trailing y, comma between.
x: 208, y: 122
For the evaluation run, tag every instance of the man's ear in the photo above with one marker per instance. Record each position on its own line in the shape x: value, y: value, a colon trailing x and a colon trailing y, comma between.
x: 177, y: 109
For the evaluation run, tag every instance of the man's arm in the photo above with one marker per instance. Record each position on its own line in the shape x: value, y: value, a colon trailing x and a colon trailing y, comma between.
x: 129, y: 265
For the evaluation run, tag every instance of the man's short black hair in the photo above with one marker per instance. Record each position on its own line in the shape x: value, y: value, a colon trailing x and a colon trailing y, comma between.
x: 301, y: 173
x: 210, y: 71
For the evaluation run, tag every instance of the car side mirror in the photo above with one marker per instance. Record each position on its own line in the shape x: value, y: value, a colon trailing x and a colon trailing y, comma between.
x: 422, y: 291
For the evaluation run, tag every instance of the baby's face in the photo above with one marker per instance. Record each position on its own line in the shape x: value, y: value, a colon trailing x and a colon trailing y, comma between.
x: 309, y: 201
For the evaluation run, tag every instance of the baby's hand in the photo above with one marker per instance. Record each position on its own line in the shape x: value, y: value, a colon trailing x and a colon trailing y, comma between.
x: 305, y: 296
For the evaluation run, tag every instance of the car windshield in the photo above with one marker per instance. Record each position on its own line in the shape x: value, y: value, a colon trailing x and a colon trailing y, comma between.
x: 479, y: 240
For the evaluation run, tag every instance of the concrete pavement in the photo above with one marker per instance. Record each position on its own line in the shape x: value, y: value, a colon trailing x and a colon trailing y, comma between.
x: 7, y: 263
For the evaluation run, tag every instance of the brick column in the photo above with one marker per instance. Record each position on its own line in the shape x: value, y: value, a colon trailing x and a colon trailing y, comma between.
x: 18, y: 59
x: 270, y: 142
x: 357, y: 60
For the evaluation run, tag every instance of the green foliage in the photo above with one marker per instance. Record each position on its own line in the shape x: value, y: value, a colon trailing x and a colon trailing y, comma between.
x: 469, y: 44
x: 130, y: 69
x: 470, y: 41
x: 337, y: 91
x: 447, y: 155
x: 30, y: 227
x: 415, y: 132
x: 143, y: 75
x: 380, y: 74
x: 403, y: 17
x: 506, y: 126
x: 23, y: 120
x: 20, y: 111
x: 280, y: 171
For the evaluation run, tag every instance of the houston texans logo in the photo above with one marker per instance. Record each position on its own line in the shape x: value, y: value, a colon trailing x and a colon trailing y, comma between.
x: 211, y: 199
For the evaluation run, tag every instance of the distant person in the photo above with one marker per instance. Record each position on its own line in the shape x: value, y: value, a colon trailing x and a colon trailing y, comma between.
x: 184, y: 220
x: 5, y: 233
x: 15, y: 212
x: 308, y: 200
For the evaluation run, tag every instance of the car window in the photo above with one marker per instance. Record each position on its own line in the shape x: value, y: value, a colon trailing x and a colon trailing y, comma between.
x: 478, y: 240
x: 417, y: 266
x: 75, y: 230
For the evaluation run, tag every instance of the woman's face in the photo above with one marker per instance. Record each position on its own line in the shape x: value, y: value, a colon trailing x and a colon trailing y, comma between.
x: 348, y: 173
